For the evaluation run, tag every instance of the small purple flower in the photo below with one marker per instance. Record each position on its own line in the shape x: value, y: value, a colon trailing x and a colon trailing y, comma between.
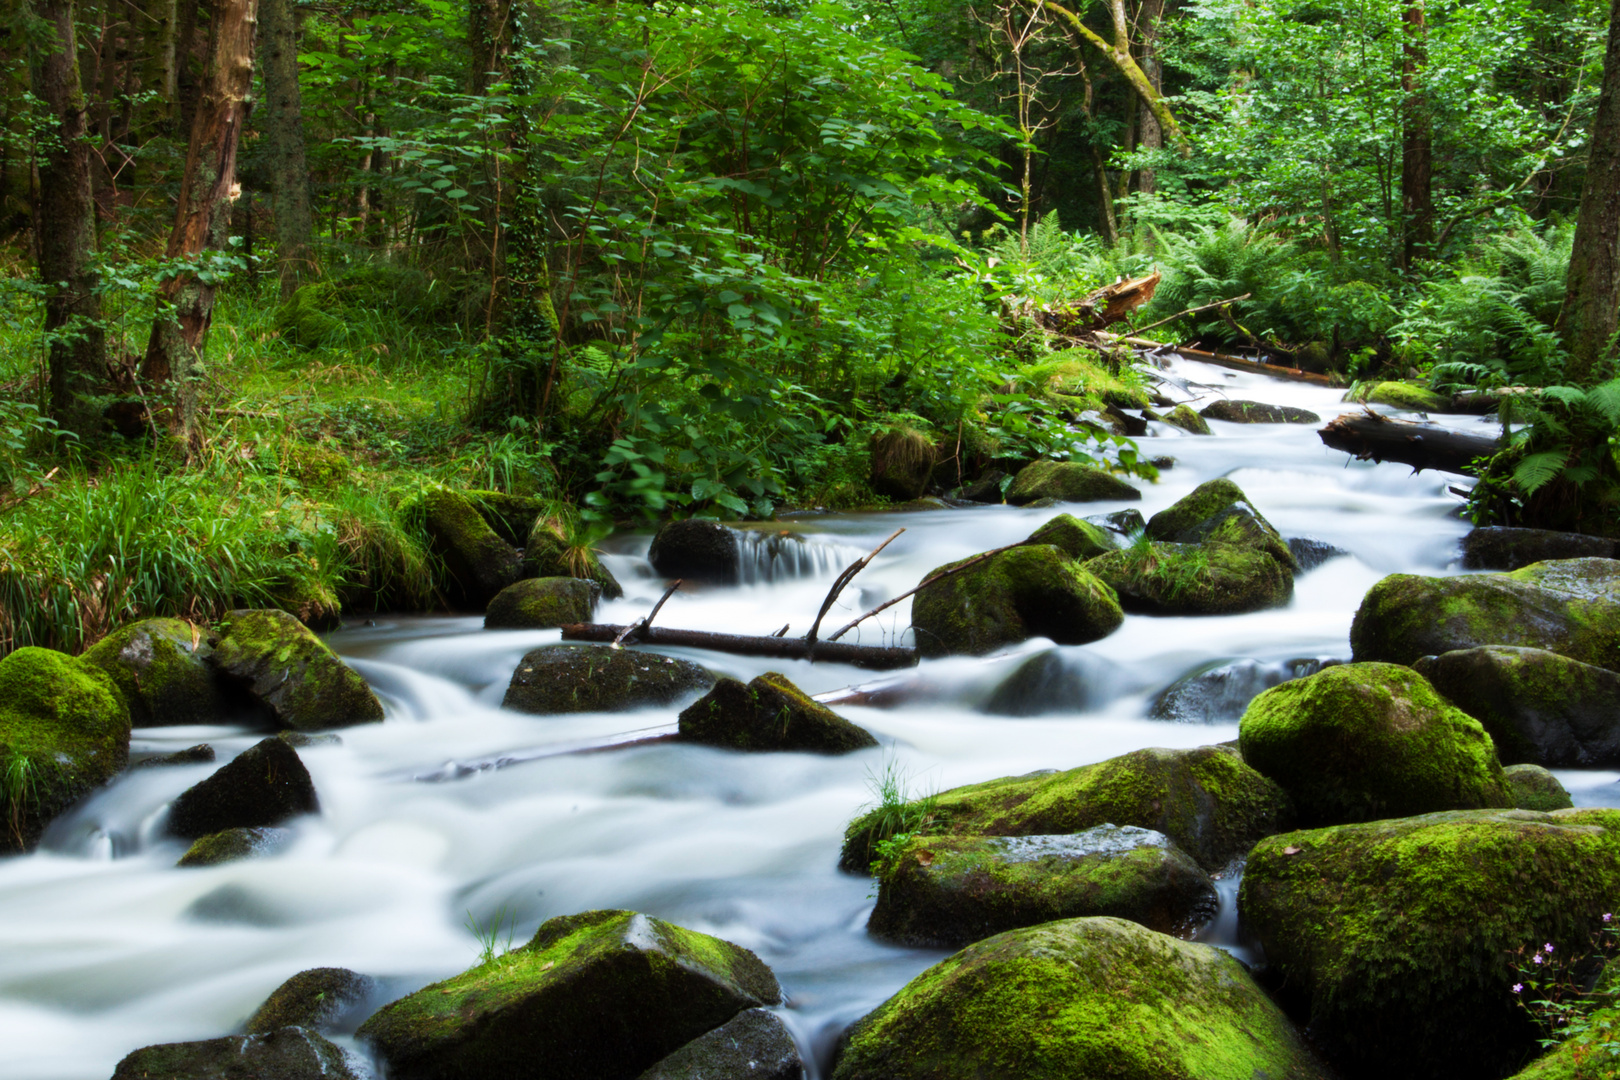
x: 1607, y: 916
x: 1518, y: 987
x: 1536, y: 959
x: 1548, y: 946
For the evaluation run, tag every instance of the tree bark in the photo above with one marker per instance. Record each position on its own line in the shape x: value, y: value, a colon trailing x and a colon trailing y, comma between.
x: 64, y: 217
x: 1150, y: 136
x: 1417, y: 138
x: 1119, y: 54
x: 283, y: 126
x: 1370, y: 435
x: 1592, y: 289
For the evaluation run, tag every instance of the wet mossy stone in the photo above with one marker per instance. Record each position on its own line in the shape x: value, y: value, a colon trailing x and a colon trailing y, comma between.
x: 946, y: 891
x: 769, y: 713
x: 1218, y: 511
x: 1534, y: 788
x: 289, y: 1053
x: 602, y: 995
x: 1155, y: 578
x: 1079, y: 540
x: 1049, y: 682
x: 597, y: 678
x: 161, y: 668
x: 1067, y: 481
x: 1186, y: 418
x: 64, y: 731
x: 229, y: 845
x: 1206, y: 800
x: 696, y: 550
x: 1400, y: 395
x: 902, y: 463
x: 292, y: 673
x: 478, y: 562
x: 1395, y: 939
x: 201, y: 754
x: 1256, y: 412
x: 511, y: 516
x: 1359, y: 742
x: 1538, y: 706
x: 539, y: 603
x: 1583, y: 1057
x: 1565, y: 606
x: 1496, y: 547
x: 1126, y: 523
x: 264, y: 785
x: 1011, y: 597
x: 548, y: 554
x: 753, y: 1045
x: 1079, y: 998
x: 316, y: 998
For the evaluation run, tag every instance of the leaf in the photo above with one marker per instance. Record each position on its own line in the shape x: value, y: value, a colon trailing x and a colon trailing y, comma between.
x: 1537, y: 470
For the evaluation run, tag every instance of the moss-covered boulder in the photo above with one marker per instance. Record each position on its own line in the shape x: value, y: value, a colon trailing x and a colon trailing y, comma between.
x: 316, y: 998
x: 1219, y: 512
x: 697, y: 550
x: 309, y: 600
x: 1186, y: 418
x: 1067, y: 481
x: 1400, y: 395
x: 539, y: 603
x: 950, y: 890
x: 230, y: 845
x: 1153, y: 578
x: 1534, y: 788
x: 1256, y: 412
x: 1010, y: 597
x: 1498, y: 547
x: 1079, y: 998
x: 902, y: 463
x: 769, y: 713
x: 1359, y: 742
x: 1568, y: 607
x: 753, y: 1045
x: 1079, y: 540
x: 1396, y: 938
x: 477, y: 562
x: 548, y: 554
x: 597, y: 678
x: 289, y: 1053
x: 64, y: 731
x: 264, y: 785
x: 161, y: 668
x: 598, y: 996
x: 511, y: 516
x: 292, y: 673
x: 1206, y: 800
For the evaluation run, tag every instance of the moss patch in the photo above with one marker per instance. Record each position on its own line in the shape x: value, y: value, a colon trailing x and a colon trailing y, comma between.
x: 548, y: 554
x: 1186, y: 418
x: 1011, y: 597
x: 1534, y: 788
x: 289, y: 1053
x: 1400, y: 395
x: 538, y: 603
x: 292, y: 673
x: 479, y: 563
x: 1194, y: 579
x: 161, y: 668
x: 1079, y: 540
x: 769, y: 713
x: 311, y: 999
x: 1067, y: 481
x: 1218, y: 511
x: 229, y: 845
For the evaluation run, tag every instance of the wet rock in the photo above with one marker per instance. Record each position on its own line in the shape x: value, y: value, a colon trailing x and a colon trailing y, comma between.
x: 64, y: 731
x: 753, y: 1045
x: 1219, y: 694
x: 1538, y: 707
x: 539, y: 603
x: 548, y: 554
x: 1396, y: 938
x: 300, y: 739
x: 292, y: 673
x: 229, y: 845
x: 265, y: 785
x: 596, y: 678
x: 1309, y: 552
x: 289, y: 1053
x: 1187, y: 419
x: 902, y: 463
x: 1255, y: 412
x: 315, y: 999
x: 1126, y: 523
x: 769, y: 713
x: 1078, y: 998
x: 1010, y: 597
x: 1153, y: 578
x: 597, y: 996
x: 313, y: 603
x: 986, y: 489
x: 696, y: 550
x: 479, y: 563
x: 201, y: 754
x: 511, y: 516
x: 1218, y: 512
x: 1400, y: 395
x: 1053, y: 681
x: 1206, y: 800
x: 161, y: 668
x: 1359, y: 742
x: 1079, y: 540
x: 945, y: 891
x: 1067, y: 481
x: 1534, y: 788
x: 1498, y: 548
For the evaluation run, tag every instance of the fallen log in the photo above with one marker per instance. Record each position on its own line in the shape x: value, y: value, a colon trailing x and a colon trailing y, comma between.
x: 1236, y: 363
x: 1102, y: 307
x: 873, y: 657
x: 1372, y: 436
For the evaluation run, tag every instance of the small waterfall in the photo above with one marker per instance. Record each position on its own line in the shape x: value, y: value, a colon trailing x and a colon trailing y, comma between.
x: 764, y: 558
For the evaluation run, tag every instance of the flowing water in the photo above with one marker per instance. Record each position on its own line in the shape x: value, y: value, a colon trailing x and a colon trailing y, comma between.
x: 454, y: 812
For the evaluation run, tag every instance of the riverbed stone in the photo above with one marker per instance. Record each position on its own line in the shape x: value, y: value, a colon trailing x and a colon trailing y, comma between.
x: 1310, y: 552
x: 547, y: 553
x: 1218, y: 511
x: 769, y: 713
x: 264, y: 785
x: 1186, y: 418
x: 1093, y: 997
x: 1153, y: 578
x: 597, y: 678
x: 1067, y: 481
x: 753, y: 1045
x: 1534, y: 788
x: 697, y: 550
x: 1359, y: 742
x: 902, y: 463
x: 314, y: 999
x: 1220, y: 693
x: 1206, y: 800
x: 161, y: 668
x: 540, y: 603
x: 477, y: 561
x: 289, y: 1053
x: 1010, y: 597
x: 229, y: 845
x: 1256, y: 412
x: 1079, y: 540
x: 602, y: 995
x: 1400, y: 395
x: 292, y: 673
x: 201, y: 754
x: 1396, y: 939
x: 1498, y: 547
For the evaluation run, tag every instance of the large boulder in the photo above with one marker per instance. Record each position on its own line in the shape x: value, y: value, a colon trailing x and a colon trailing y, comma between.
x: 316, y: 998
x: 547, y: 553
x: 753, y: 1045
x: 902, y: 463
x: 161, y: 668
x: 1067, y: 481
x: 511, y: 516
x: 479, y: 563
x: 291, y: 673
x: 1206, y: 800
x: 230, y: 845
x: 597, y: 678
x: 1498, y: 547
x: 1218, y: 511
x: 1567, y: 607
x: 950, y: 890
x: 1076, y: 999
x: 540, y: 603
x: 64, y: 731
x: 1534, y: 788
x: 1079, y: 540
x: 598, y: 996
x: 697, y: 550
x: 1010, y: 597
x: 1396, y: 939
x: 1153, y: 578
x: 1359, y: 742
x: 1256, y: 412
x: 769, y: 713
x: 264, y: 785
x: 289, y: 1053
x: 1400, y: 395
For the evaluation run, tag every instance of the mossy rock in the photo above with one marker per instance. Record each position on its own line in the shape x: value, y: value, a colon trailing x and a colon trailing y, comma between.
x: 289, y: 1053
x: 1067, y: 481
x: 1256, y: 412
x: 264, y: 785
x: 1186, y: 418
x: 902, y: 463
x: 161, y: 668
x: 947, y: 891
x: 547, y: 554
x: 1534, y: 788
x: 1206, y: 800
x: 769, y: 713
x: 596, y: 678
x: 539, y: 603
x: 1497, y: 547
x: 1194, y: 579
x: 1011, y: 597
x: 1079, y: 998
x: 292, y: 673
x: 753, y: 1045
x: 1051, y: 681
x: 598, y: 996
x: 478, y: 563
x: 1310, y: 552
x: 1565, y: 606
x: 511, y: 516
x: 230, y: 845
x: 316, y: 998
x: 64, y: 731
x: 318, y: 465
x: 1218, y: 512
x: 1358, y: 742
x: 1396, y: 939
x: 1400, y: 395
x: 1079, y: 540
x: 697, y: 550
x: 313, y: 603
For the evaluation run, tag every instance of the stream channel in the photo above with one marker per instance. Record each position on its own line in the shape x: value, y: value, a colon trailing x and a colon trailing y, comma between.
x: 453, y: 809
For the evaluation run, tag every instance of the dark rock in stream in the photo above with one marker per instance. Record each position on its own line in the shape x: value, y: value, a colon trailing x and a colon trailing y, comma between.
x: 1218, y: 512
x: 1494, y: 547
x: 1126, y: 523
x: 596, y: 678
x: 1186, y: 418
x: 230, y: 845
x: 753, y: 1045
x: 540, y: 603
x: 479, y: 563
x: 769, y: 713
x: 1309, y: 552
x: 292, y: 673
x: 1011, y: 597
x: 201, y: 754
x: 696, y: 550
x: 1218, y: 694
x: 1256, y: 412
x: 316, y: 998
x: 265, y: 785
x: 1067, y: 481
x: 986, y: 489
x: 1534, y: 788
x: 1056, y: 681
x: 289, y: 1053
x: 162, y: 669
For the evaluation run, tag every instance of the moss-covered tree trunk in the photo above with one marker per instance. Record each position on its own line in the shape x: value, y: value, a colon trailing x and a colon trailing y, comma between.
x: 1592, y: 289
x: 1417, y: 138
x: 1150, y: 136
x: 283, y: 125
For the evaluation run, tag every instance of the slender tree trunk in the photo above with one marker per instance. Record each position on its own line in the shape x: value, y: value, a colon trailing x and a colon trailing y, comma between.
x: 64, y: 218
x: 158, y: 72
x: 186, y: 83
x: 1417, y: 168
x: 1119, y: 54
x: 1150, y: 135
x: 489, y: 35
x: 283, y: 123
x: 1592, y: 296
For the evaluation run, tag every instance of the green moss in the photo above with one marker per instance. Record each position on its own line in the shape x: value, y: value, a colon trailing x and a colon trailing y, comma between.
x: 311, y: 999
x: 548, y: 554
x: 595, y: 678
x: 1010, y: 597
x: 1186, y: 418
x: 1218, y: 511
x: 229, y: 845
x: 769, y: 713
x: 1534, y: 788
x: 1067, y: 481
x: 1399, y: 395
x: 537, y: 603
x: 292, y: 672
x: 160, y: 668
x: 478, y: 562
x: 511, y: 516
x: 318, y: 465
x: 1194, y: 579
x: 1079, y: 540
x: 1579, y: 1058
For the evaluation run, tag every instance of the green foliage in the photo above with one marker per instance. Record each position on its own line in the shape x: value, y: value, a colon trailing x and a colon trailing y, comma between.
x: 491, y: 944
x: 1571, y: 995
x: 899, y: 814
x: 1560, y: 469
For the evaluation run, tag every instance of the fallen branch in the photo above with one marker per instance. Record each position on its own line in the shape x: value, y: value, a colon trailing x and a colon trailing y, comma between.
x: 874, y: 657
x: 1372, y: 436
x: 841, y: 581
x: 957, y: 569
x: 1236, y: 363
x: 640, y: 626
x: 1189, y: 311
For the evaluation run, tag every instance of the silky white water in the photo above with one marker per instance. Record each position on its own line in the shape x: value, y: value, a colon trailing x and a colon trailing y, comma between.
x: 453, y: 809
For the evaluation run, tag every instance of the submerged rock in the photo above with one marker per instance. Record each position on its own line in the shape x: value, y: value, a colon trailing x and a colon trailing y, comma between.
x: 161, y: 668
x: 479, y: 563
x: 1494, y: 547
x: 1010, y: 597
x: 1056, y: 681
x: 1534, y: 788
x: 1067, y: 481
x: 769, y: 713
x: 548, y: 554
x: 1079, y: 540
x: 1186, y: 418
x: 289, y: 1053
x: 1219, y: 694
x: 316, y: 998
x: 292, y: 673
x: 540, y: 603
x: 1123, y: 523
x: 1218, y: 511
x: 1255, y: 412
x: 753, y: 1045
x: 696, y: 550
x: 1154, y: 578
x: 596, y: 678
x: 229, y: 845
x: 201, y: 754
x: 265, y: 785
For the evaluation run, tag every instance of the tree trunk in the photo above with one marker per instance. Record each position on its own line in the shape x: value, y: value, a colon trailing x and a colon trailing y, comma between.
x: 1150, y: 136
x: 1417, y: 162
x: 1119, y: 54
x: 1592, y: 289
x: 1373, y: 436
x: 283, y: 126
x: 64, y: 217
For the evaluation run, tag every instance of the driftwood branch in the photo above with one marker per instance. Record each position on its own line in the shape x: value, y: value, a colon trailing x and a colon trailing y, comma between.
x: 638, y: 629
x: 957, y: 569
x: 1371, y: 436
x: 1236, y: 363
x: 841, y: 581
x: 1190, y: 311
x: 874, y: 657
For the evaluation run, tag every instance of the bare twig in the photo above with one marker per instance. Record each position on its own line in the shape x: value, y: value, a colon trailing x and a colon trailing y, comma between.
x: 1190, y: 311
x: 844, y: 579
x: 925, y: 583
x: 639, y: 627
